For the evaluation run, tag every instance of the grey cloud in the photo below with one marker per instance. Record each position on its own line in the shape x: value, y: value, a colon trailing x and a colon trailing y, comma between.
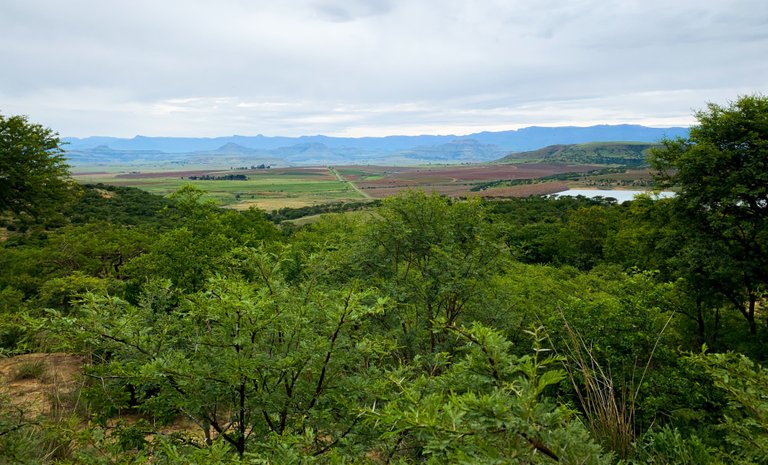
x: 343, y: 11
x: 332, y: 66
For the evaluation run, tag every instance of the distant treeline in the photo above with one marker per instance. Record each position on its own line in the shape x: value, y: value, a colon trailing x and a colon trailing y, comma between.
x: 253, y: 167
x: 226, y: 177
x: 570, y: 176
x: 294, y: 213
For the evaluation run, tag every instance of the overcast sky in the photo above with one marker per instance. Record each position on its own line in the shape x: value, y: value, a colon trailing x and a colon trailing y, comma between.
x: 373, y: 67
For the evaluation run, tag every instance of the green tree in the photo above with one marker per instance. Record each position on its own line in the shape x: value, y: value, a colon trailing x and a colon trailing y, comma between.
x: 34, y: 175
x: 745, y: 422
x: 247, y: 358
x: 194, y: 250
x: 487, y: 407
x: 721, y: 173
x: 435, y: 258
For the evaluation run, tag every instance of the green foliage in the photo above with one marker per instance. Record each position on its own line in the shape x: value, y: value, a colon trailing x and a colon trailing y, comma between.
x: 119, y: 206
x: 54, y: 270
x: 400, y: 334
x: 194, y: 250
x: 721, y: 173
x: 28, y: 438
x: 583, y: 238
x: 746, y: 418
x: 62, y: 293
x: 34, y: 177
x: 435, y: 259
x: 243, y: 359
x: 564, y: 231
x: 95, y: 249
x: 283, y: 214
x: 667, y: 446
x: 13, y: 330
x: 487, y: 406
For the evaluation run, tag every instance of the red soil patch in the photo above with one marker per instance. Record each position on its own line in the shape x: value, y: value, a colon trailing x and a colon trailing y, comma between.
x: 471, y: 174
x: 457, y: 181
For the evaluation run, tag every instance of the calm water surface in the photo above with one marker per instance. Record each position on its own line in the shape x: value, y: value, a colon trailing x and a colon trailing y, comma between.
x: 619, y: 195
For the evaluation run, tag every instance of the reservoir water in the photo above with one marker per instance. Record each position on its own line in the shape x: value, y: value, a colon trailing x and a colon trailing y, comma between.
x: 619, y: 195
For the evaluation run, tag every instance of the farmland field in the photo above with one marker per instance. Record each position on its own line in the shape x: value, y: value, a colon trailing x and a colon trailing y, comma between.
x: 272, y: 189
x: 266, y: 189
x: 382, y: 181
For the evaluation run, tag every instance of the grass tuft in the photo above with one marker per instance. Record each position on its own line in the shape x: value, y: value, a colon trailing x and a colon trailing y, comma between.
x: 610, y: 412
x: 34, y: 369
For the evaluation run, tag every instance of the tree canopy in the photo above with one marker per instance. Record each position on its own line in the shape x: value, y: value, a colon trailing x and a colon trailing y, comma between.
x: 34, y: 174
x: 721, y: 173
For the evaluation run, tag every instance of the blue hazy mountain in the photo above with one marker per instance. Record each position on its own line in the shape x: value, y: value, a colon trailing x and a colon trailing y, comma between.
x: 482, y: 146
x: 456, y: 151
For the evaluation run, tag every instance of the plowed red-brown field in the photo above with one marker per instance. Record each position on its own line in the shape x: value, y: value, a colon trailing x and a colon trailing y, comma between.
x: 525, y: 190
x: 381, y: 181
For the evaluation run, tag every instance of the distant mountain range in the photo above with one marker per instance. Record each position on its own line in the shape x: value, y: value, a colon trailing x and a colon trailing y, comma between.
x: 323, y: 150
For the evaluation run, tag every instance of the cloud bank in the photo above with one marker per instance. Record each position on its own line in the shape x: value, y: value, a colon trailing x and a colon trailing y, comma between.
x: 373, y: 67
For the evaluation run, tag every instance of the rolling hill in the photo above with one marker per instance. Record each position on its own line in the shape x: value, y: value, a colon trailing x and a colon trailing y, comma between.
x: 599, y: 153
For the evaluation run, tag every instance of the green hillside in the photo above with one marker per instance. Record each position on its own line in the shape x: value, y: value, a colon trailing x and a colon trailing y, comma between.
x: 604, y: 153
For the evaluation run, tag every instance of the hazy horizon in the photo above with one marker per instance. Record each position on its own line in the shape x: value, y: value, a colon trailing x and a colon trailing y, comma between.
x: 221, y: 136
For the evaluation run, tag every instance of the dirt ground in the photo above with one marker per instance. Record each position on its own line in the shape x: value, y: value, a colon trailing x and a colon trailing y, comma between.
x: 50, y: 385
x: 40, y: 383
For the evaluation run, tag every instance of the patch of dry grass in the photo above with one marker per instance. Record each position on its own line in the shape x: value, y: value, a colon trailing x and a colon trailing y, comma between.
x: 41, y: 383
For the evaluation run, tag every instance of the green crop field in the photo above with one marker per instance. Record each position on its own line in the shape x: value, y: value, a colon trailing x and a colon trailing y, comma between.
x: 266, y: 189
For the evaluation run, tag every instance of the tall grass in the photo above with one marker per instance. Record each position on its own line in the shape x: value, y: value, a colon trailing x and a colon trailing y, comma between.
x: 609, y: 410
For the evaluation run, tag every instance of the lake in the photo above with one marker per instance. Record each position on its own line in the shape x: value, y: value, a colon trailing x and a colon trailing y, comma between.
x: 619, y: 195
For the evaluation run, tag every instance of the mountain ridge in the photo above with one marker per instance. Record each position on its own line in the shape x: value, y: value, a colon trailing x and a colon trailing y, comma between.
x: 484, y: 146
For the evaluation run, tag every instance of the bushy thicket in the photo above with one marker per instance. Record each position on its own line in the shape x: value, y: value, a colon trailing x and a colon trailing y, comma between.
x: 433, y: 330
x: 426, y: 330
